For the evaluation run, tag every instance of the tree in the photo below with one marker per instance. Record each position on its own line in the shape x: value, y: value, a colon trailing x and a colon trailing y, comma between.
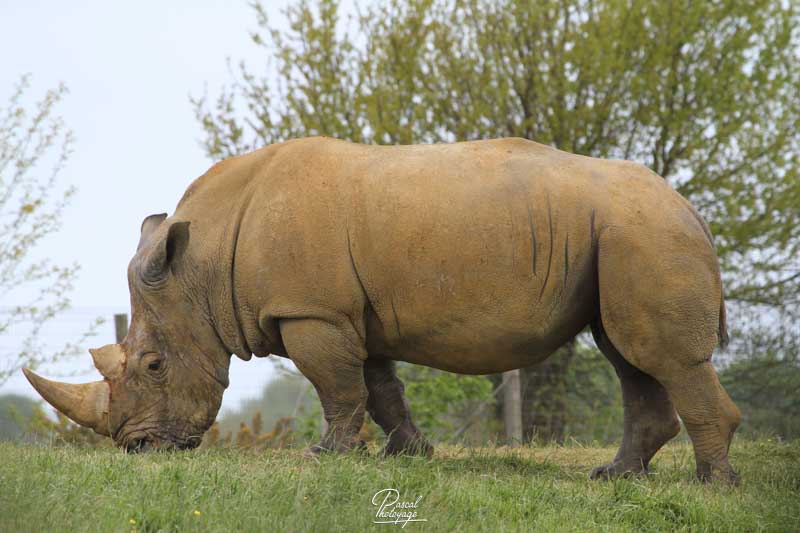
x: 34, y: 147
x: 703, y: 93
x: 765, y: 382
x: 445, y: 405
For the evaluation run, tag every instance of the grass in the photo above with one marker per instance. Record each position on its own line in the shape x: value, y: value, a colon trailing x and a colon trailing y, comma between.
x: 525, y: 489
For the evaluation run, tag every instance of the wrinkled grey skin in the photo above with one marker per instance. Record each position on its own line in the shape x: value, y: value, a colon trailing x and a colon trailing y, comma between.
x: 470, y: 257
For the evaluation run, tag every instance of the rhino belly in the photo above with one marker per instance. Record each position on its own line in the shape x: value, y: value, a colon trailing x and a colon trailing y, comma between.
x: 504, y: 328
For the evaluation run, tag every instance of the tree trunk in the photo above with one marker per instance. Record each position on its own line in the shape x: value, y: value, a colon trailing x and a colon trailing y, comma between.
x: 544, y: 391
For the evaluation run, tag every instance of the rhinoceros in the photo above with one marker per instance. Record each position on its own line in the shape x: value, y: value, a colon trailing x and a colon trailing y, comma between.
x: 473, y: 257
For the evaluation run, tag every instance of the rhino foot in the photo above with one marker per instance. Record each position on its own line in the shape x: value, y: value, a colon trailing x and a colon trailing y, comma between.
x: 723, y: 472
x: 618, y: 469
x: 413, y: 447
x: 314, y: 451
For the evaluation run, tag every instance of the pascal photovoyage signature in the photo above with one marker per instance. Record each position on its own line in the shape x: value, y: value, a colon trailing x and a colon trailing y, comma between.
x: 393, y: 510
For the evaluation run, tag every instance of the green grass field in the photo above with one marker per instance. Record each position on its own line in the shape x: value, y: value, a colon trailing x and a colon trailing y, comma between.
x: 525, y: 489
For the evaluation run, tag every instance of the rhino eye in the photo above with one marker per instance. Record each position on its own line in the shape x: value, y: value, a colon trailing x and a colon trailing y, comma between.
x: 154, y: 361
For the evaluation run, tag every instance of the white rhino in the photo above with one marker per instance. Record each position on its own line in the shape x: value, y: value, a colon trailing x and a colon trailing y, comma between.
x: 475, y: 257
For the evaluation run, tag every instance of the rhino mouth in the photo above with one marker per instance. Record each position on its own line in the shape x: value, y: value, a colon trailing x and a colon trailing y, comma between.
x: 141, y: 442
x: 138, y: 445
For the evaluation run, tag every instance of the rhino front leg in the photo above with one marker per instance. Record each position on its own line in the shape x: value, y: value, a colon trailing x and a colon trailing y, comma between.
x: 388, y: 407
x: 332, y: 358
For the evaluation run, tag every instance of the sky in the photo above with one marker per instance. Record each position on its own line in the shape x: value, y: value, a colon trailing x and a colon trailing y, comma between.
x: 130, y: 68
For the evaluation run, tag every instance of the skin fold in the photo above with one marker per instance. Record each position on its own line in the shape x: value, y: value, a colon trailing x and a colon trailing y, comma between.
x: 475, y: 257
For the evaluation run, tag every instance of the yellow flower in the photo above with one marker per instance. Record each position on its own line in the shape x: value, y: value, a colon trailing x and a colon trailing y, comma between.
x: 197, y: 513
x: 132, y: 522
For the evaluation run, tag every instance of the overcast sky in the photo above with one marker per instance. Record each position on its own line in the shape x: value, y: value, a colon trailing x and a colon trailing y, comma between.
x: 130, y: 68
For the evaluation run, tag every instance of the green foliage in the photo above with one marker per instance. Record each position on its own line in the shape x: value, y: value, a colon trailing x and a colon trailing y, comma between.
x: 309, y: 421
x: 574, y: 395
x: 765, y: 389
x: 593, y: 398
x: 62, y: 431
x: 15, y: 412
x: 444, y: 403
x: 764, y: 382
x: 23, y: 419
x: 31, y: 206
x: 525, y: 489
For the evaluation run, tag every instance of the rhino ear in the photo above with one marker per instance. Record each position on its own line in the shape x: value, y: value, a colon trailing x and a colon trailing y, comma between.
x: 165, y: 251
x: 149, y: 225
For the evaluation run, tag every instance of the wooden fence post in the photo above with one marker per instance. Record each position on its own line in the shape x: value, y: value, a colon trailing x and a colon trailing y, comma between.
x: 121, y: 326
x: 512, y: 406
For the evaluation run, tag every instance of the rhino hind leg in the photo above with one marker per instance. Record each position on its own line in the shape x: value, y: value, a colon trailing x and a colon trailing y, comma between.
x: 332, y: 358
x: 388, y: 407
x: 711, y: 419
x: 650, y: 418
x: 660, y: 306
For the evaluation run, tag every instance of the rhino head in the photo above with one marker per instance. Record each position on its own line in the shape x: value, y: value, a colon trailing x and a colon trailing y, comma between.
x: 163, y: 384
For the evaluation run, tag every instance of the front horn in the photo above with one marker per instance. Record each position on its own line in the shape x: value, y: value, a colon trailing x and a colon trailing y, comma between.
x: 86, y: 403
